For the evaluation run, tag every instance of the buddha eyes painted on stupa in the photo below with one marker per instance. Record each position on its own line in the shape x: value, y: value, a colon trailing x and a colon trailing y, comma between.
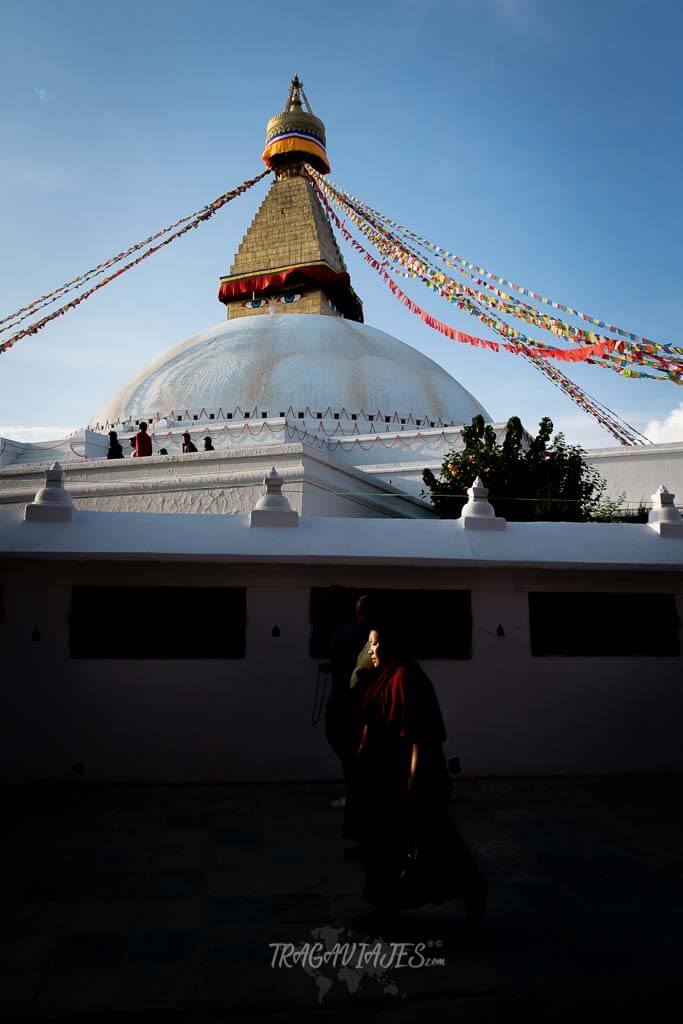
x: 288, y: 298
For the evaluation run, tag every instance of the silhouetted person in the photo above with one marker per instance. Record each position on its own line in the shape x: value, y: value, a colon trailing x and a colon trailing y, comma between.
x: 349, y: 644
x: 115, y: 451
x: 143, y: 442
x: 188, y: 444
x: 208, y: 445
x: 162, y: 451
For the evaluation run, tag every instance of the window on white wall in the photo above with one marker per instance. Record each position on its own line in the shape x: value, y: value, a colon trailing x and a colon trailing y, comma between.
x: 436, y: 624
x: 158, y: 622
x: 603, y: 625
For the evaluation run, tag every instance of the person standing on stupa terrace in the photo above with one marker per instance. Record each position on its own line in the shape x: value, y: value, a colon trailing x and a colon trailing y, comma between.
x: 115, y: 451
x: 188, y: 444
x: 143, y: 442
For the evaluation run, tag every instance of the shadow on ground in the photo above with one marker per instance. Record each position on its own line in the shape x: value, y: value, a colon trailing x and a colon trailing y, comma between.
x: 164, y: 903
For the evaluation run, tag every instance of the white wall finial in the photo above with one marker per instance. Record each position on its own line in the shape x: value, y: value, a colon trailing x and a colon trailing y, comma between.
x: 273, y: 509
x: 478, y: 513
x: 52, y: 503
x: 664, y: 518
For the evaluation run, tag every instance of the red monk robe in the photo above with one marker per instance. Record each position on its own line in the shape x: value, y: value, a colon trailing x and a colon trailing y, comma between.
x: 414, y: 853
x: 143, y: 444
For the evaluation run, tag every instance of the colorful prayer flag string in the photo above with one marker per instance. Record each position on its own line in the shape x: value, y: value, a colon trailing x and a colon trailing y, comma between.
x: 410, y: 263
x: 445, y: 255
x: 538, y: 348
x: 50, y: 297
x: 536, y: 353
x: 193, y: 221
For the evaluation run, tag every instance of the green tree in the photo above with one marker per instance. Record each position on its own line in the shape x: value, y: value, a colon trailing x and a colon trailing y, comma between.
x: 543, y: 479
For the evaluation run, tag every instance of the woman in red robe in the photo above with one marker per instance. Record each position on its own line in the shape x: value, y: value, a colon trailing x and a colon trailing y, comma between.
x: 413, y: 852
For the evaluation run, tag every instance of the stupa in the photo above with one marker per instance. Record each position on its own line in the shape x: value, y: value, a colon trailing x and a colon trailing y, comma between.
x: 294, y: 344
x: 292, y: 363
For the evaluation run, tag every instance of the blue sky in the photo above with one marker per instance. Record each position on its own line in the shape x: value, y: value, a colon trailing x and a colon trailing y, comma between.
x: 540, y: 139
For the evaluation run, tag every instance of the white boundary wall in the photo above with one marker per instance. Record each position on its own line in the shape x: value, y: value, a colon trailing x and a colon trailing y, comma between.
x: 505, y: 711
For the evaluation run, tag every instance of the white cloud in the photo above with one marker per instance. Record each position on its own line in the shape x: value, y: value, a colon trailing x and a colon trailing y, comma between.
x: 32, y: 435
x: 668, y: 429
x: 42, y: 95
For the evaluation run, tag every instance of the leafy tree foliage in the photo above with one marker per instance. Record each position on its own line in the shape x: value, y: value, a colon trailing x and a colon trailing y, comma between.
x: 544, y: 479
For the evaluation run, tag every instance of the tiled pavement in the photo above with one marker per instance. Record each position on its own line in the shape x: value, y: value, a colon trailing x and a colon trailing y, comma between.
x: 159, y: 903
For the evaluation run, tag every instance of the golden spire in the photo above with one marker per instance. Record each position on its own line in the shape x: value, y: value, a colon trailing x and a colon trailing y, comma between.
x: 288, y: 261
x: 296, y: 135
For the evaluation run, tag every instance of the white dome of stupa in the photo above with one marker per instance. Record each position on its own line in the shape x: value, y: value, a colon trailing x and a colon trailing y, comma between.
x: 275, y: 364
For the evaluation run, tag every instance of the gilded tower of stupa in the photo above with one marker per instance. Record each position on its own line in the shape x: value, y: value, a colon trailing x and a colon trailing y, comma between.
x: 289, y: 260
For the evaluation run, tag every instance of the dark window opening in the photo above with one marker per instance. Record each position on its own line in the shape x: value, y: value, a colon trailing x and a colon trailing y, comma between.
x: 139, y: 622
x: 435, y: 623
x: 603, y: 625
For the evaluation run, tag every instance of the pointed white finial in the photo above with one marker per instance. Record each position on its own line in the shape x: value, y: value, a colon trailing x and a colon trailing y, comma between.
x: 273, y: 509
x: 52, y: 502
x: 664, y: 518
x: 478, y: 513
x: 478, y: 492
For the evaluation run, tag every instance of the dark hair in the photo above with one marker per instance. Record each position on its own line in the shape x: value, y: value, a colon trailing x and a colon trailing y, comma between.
x: 366, y: 603
x: 143, y: 426
x: 113, y: 435
x: 393, y: 643
x: 162, y: 451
